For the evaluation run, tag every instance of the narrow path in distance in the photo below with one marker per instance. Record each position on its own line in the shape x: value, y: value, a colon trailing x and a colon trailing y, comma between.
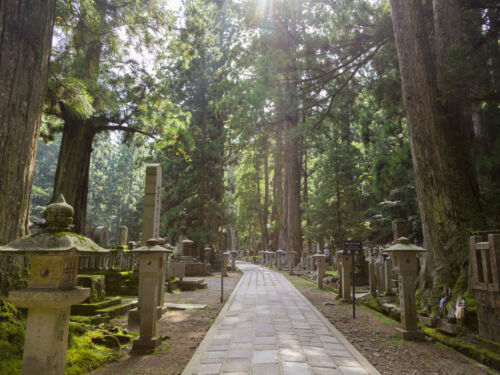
x: 268, y: 327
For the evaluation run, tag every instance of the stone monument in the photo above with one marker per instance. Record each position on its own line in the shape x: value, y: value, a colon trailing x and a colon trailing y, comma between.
x: 121, y: 236
x: 234, y: 254
x: 291, y: 259
x: 51, y: 288
x: 346, y: 265
x: 279, y: 258
x: 405, y: 262
x: 150, y: 228
x: 151, y: 267
x: 225, y: 258
x: 320, y: 259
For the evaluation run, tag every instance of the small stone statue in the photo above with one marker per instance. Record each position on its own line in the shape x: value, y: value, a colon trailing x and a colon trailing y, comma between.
x: 460, y: 308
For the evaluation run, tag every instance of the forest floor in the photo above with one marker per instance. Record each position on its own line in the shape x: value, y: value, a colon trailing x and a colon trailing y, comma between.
x: 373, y: 334
x: 185, y: 330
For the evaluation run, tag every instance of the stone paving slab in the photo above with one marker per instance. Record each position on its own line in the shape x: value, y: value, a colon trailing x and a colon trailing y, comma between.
x: 268, y: 327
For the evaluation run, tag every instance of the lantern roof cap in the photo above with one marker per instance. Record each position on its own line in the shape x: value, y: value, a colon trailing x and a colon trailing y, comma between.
x: 153, y: 245
x: 404, y: 244
x: 55, y: 237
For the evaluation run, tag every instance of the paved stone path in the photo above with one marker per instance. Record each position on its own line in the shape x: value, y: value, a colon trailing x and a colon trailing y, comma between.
x: 268, y: 327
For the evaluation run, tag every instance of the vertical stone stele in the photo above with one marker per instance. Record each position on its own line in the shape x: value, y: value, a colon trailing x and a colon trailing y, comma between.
x: 151, y: 266
x: 225, y: 258
x: 346, y: 270
x: 320, y: 259
x: 279, y: 256
x: 234, y: 254
x: 291, y: 259
x: 405, y: 261
x: 52, y: 289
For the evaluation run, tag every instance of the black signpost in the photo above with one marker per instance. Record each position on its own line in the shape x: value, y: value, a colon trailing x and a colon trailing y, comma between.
x: 353, y: 248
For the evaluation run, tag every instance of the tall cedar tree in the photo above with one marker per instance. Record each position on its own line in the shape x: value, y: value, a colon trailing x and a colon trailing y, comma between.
x: 440, y: 137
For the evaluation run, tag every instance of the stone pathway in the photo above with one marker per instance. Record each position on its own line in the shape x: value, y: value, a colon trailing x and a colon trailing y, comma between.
x: 267, y: 327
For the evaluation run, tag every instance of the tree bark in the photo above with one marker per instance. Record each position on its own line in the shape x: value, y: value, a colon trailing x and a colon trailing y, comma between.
x: 73, y: 165
x: 277, y: 239
x: 444, y: 178
x: 25, y: 42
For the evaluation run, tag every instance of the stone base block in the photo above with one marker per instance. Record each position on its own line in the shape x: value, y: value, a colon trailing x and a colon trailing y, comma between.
x: 410, y: 335
x: 140, y: 345
x: 134, y: 315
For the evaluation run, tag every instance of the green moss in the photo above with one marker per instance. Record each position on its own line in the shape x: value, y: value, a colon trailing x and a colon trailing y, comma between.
x: 11, y: 338
x: 469, y: 347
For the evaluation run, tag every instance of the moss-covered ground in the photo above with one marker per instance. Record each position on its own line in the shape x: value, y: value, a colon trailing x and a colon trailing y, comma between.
x: 89, y: 346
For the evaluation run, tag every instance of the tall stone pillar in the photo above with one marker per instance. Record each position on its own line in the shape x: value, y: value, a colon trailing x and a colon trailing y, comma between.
x: 152, y: 203
x: 121, y: 237
x: 372, y: 274
x: 321, y: 265
x: 151, y: 230
x: 291, y: 260
x: 225, y: 259
x: 279, y: 255
x: 346, y: 262
x: 399, y: 228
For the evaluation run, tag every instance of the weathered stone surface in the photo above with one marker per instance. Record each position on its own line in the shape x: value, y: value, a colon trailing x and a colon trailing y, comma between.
x: 97, y: 286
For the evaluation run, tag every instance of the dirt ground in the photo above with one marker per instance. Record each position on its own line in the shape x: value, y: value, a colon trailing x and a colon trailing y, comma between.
x: 373, y: 335
x: 184, y: 329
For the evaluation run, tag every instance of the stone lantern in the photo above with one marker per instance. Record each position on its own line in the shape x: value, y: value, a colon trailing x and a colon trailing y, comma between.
x: 51, y: 288
x: 234, y: 254
x: 262, y: 257
x: 404, y: 258
x: 279, y: 256
x: 291, y: 259
x: 320, y: 264
x: 346, y: 269
x: 151, y: 266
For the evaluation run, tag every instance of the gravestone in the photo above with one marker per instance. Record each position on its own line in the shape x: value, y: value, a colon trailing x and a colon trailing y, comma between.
x: 234, y: 254
x: 101, y: 236
x: 279, y: 256
x: 291, y: 259
x: 225, y: 258
x: 346, y: 265
x: 320, y: 259
x: 399, y: 229
x: 121, y: 236
x: 372, y: 273
x: 152, y: 203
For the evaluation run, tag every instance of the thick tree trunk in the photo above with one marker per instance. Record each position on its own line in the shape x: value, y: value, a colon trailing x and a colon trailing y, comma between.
x: 265, y: 208
x: 73, y: 164
x: 444, y: 178
x: 25, y: 42
x: 277, y: 238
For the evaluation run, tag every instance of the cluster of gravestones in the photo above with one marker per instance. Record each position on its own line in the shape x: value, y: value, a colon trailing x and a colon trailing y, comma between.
x: 52, y: 287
